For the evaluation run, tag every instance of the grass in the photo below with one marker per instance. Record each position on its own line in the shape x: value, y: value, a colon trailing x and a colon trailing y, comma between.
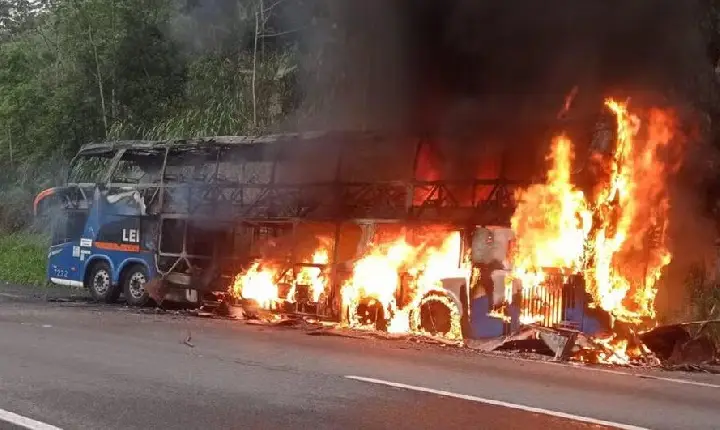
x: 703, y: 294
x: 23, y: 258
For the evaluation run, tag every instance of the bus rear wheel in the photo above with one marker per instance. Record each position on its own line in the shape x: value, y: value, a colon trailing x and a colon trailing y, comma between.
x: 99, y: 283
x: 134, y: 286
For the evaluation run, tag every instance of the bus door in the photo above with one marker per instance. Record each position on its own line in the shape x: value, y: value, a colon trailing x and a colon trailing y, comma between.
x: 67, y: 249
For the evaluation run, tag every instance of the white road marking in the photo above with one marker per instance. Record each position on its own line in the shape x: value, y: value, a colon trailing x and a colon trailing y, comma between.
x: 24, y: 422
x: 637, y: 375
x: 498, y: 403
x: 615, y: 372
x: 660, y: 378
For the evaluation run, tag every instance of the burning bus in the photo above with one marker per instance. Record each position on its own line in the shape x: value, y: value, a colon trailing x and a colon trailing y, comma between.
x: 456, y: 237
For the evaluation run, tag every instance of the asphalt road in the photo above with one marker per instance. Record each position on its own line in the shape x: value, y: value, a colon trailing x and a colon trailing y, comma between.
x: 82, y: 366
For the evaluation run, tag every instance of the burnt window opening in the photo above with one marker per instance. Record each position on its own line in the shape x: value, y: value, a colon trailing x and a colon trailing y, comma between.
x: 198, y: 165
x: 202, y: 240
x: 199, y: 240
x: 173, y: 233
x: 138, y: 167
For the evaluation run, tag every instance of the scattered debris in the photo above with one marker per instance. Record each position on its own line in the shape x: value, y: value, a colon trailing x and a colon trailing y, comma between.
x: 187, y: 340
x: 704, y: 368
x: 288, y: 322
x: 224, y: 310
x: 157, y: 290
x: 204, y: 314
x: 560, y: 341
x: 153, y: 311
x: 690, y: 345
x: 332, y: 332
x: 71, y: 299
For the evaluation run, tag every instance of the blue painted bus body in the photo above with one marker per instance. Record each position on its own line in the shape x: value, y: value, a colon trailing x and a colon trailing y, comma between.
x: 483, y: 326
x: 69, y: 261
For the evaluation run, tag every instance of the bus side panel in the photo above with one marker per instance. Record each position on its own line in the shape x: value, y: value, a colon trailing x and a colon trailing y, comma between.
x: 64, y: 265
x: 123, y: 236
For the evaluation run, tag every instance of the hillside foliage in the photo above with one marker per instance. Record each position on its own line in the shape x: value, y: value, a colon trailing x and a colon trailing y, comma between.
x: 76, y: 71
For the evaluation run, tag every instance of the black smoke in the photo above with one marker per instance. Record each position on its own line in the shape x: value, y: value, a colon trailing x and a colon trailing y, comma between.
x: 427, y: 64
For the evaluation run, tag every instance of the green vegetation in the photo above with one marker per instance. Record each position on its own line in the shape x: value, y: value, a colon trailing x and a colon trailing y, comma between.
x: 77, y: 71
x: 23, y: 258
x: 703, y: 294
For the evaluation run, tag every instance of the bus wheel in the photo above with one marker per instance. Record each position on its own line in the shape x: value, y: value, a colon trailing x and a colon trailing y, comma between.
x: 99, y: 283
x: 134, y: 286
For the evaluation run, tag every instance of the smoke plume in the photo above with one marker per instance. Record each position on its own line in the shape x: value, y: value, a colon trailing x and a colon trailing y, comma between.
x: 456, y: 64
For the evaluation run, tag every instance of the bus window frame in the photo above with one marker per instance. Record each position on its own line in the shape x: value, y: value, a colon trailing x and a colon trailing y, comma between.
x: 161, y: 152
x: 104, y: 177
x: 68, y: 238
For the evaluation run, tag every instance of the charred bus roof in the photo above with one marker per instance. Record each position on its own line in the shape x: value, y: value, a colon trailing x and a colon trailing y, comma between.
x: 223, y: 141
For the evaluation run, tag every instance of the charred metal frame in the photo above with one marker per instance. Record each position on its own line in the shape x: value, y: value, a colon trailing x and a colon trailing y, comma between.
x: 409, y: 201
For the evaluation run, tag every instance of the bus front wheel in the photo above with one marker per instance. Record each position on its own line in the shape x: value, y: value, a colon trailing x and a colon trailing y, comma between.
x: 134, y: 281
x: 99, y: 283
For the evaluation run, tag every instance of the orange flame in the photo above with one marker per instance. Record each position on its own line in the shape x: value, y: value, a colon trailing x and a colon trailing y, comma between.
x: 551, y: 223
x: 377, y: 276
x: 314, y: 276
x: 628, y: 246
x: 257, y: 283
x: 617, y: 239
x: 260, y: 281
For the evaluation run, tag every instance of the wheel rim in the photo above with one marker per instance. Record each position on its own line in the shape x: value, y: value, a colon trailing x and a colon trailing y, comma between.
x: 101, y: 282
x: 137, y: 285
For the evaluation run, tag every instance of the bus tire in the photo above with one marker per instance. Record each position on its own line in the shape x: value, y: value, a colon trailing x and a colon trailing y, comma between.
x: 99, y: 283
x: 134, y: 279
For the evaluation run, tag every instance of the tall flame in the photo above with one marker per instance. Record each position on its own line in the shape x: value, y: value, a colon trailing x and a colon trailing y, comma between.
x: 552, y: 220
x: 628, y: 247
x: 376, y: 275
x: 617, y: 237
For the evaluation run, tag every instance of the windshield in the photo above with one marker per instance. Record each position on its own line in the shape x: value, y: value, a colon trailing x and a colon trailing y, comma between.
x: 90, y: 169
